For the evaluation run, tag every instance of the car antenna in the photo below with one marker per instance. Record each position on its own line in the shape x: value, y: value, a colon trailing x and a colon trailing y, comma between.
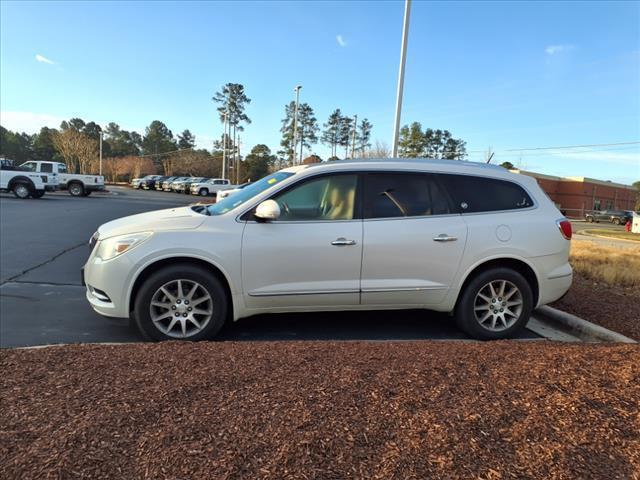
x: 490, y: 157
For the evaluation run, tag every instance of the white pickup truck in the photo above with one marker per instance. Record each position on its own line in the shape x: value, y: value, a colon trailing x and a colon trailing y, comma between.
x: 209, y: 186
x: 24, y: 184
x: 77, y: 184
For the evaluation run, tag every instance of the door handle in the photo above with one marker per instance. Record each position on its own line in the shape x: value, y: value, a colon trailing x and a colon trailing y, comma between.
x: 443, y: 237
x: 341, y: 242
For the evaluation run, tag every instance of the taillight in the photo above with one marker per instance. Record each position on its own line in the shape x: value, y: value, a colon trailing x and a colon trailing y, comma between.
x: 565, y: 228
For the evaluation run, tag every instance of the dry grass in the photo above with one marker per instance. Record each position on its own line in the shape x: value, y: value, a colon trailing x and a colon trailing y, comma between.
x: 613, y: 234
x: 601, y: 263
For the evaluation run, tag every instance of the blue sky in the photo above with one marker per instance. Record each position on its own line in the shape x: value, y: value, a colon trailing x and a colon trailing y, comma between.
x: 497, y: 74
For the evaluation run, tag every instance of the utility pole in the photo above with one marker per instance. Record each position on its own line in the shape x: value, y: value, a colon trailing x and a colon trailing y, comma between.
x: 403, y: 58
x: 355, y: 128
x: 295, y: 123
x: 100, y: 169
x: 224, y: 145
x: 238, y: 163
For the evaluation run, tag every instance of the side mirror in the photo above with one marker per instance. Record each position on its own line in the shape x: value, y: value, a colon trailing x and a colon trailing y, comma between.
x: 268, y: 210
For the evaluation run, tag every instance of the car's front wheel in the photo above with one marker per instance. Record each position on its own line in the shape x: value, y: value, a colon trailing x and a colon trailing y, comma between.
x: 495, y: 304
x: 617, y: 221
x: 203, y: 192
x: 180, y: 302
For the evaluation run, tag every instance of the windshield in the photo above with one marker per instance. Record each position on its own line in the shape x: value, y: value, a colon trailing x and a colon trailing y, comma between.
x: 251, y: 190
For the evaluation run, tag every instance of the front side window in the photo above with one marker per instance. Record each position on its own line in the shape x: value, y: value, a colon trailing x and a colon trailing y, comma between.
x: 327, y: 198
x: 233, y: 201
x: 481, y: 194
x: 389, y: 195
x: 62, y: 168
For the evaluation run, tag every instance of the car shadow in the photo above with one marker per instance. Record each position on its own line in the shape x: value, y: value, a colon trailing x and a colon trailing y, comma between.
x: 381, y: 325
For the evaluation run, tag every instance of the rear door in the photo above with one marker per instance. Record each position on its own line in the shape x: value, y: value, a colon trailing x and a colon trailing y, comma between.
x: 413, y: 240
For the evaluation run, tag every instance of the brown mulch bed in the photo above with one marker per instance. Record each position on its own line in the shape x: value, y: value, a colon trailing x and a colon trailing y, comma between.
x: 321, y: 410
x: 617, y: 309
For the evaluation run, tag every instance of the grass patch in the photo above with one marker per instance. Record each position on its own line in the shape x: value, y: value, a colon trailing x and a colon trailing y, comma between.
x: 602, y: 263
x: 612, y: 234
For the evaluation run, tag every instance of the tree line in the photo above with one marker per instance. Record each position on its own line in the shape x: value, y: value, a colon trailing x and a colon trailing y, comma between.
x: 158, y: 150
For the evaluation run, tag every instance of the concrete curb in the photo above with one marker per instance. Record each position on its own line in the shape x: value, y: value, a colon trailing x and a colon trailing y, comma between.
x: 587, y: 331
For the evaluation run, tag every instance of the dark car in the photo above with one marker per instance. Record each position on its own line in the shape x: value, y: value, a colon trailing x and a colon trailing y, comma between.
x: 147, y: 181
x: 617, y: 217
x: 161, y: 183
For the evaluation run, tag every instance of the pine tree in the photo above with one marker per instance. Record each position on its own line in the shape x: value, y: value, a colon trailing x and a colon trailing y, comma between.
x: 331, y: 133
x: 363, y: 136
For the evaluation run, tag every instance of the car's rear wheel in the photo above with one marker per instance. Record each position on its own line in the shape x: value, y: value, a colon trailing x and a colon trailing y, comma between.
x: 21, y: 190
x: 495, y: 304
x: 37, y: 193
x: 616, y: 221
x: 181, y: 302
x: 76, y: 189
x: 590, y: 219
x: 203, y: 192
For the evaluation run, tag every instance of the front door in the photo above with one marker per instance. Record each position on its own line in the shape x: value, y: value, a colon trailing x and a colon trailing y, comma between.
x: 413, y: 243
x: 311, y: 255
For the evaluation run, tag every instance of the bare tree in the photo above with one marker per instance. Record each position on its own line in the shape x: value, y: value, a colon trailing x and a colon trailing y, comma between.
x: 380, y: 150
x: 77, y: 150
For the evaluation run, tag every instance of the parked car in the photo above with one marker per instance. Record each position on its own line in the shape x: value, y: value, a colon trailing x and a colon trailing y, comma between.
x: 135, y: 183
x: 179, y: 185
x: 474, y: 240
x: 187, y: 185
x: 149, y: 182
x: 225, y: 193
x: 78, y: 185
x: 160, y: 185
x: 617, y: 217
x: 170, y: 185
x: 24, y: 183
x: 210, y: 186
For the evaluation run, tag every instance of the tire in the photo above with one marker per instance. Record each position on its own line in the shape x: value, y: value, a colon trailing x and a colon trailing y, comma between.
x: 167, y: 278
x: 22, y: 190
x: 38, y: 194
x: 616, y: 221
x: 76, y: 189
x: 590, y: 219
x: 86, y: 193
x: 203, y: 192
x: 469, y: 316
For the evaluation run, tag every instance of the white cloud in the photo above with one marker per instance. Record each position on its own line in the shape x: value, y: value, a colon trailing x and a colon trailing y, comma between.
x: 341, y: 41
x: 554, y: 49
x: 43, y: 59
x: 28, y: 122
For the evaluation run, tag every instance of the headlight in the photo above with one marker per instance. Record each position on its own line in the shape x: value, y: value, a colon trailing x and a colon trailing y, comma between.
x: 112, y: 247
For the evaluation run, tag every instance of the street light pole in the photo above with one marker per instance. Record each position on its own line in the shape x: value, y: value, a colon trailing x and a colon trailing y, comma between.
x: 355, y: 128
x: 295, y: 123
x: 403, y: 58
x: 100, y: 169
x: 224, y: 145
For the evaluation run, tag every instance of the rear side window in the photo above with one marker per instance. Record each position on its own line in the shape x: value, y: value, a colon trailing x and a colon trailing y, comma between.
x: 390, y: 195
x: 480, y: 194
x: 46, y: 168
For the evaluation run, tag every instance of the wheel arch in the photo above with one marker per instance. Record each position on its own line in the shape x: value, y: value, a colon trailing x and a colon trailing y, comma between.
x: 159, y: 264
x: 21, y: 179
x: 517, y: 264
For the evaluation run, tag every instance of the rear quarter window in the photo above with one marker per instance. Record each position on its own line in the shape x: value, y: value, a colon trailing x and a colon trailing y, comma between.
x: 473, y: 194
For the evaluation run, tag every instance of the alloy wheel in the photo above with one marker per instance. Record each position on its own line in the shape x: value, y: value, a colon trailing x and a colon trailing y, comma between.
x: 498, y: 305
x: 181, y: 308
x: 21, y: 191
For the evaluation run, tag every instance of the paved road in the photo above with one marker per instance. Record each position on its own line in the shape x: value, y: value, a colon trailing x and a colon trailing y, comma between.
x: 580, y: 225
x: 43, y: 244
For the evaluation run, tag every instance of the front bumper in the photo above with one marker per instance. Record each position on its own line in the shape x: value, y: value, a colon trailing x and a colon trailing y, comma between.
x: 107, y: 285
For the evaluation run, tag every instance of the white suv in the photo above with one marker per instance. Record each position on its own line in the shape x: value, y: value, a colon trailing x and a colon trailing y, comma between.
x: 475, y: 240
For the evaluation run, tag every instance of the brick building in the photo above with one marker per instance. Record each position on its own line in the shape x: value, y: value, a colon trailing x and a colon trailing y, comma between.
x: 577, y: 195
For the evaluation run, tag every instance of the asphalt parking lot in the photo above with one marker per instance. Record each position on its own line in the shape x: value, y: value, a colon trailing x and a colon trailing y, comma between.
x: 44, y: 243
